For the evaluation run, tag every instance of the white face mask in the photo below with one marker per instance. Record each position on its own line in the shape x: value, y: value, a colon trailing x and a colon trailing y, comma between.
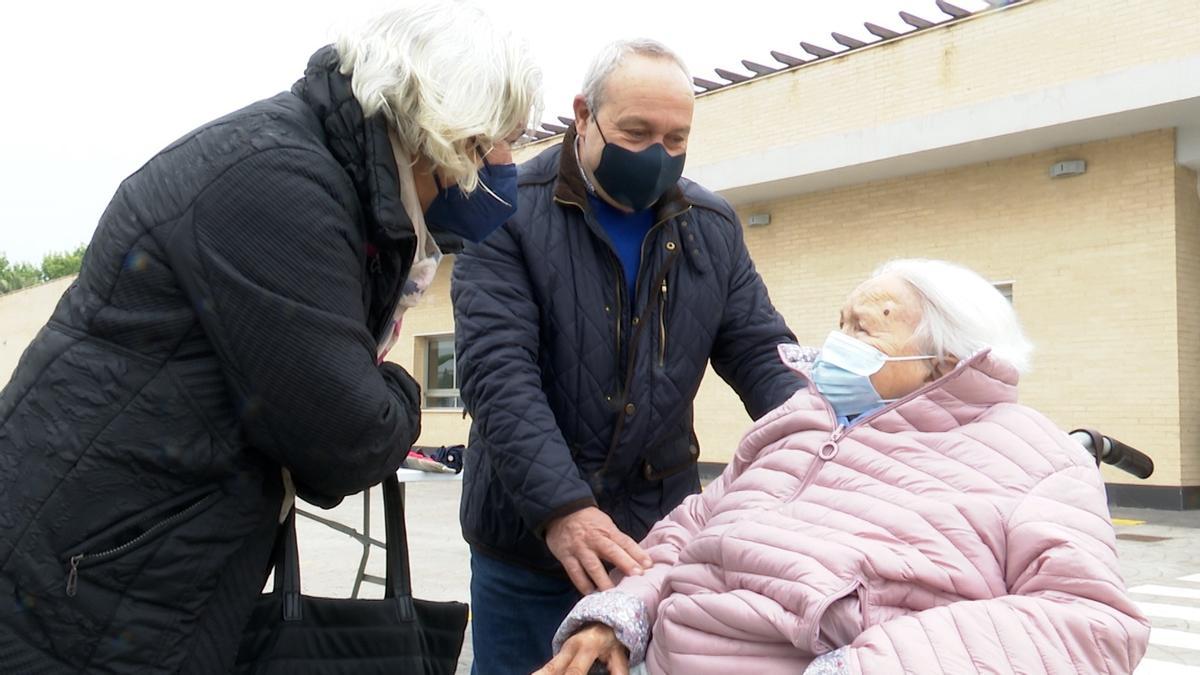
x: 842, y: 373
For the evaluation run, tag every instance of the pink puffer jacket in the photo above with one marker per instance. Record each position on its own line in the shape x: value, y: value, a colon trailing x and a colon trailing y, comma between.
x: 966, y: 532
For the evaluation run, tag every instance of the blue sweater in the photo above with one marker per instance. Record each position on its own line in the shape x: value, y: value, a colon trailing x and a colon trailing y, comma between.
x: 627, y: 232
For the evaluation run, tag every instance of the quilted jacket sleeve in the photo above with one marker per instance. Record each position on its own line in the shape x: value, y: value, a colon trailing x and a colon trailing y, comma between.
x: 745, y: 352
x: 497, y: 346
x: 276, y: 279
x: 1066, y: 611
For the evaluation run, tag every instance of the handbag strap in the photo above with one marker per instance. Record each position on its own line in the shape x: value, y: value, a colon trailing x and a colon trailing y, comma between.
x: 399, y: 576
x: 287, y: 569
x: 398, y: 585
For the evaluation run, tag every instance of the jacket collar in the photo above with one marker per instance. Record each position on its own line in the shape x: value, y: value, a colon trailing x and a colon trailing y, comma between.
x: 976, y: 384
x: 359, y: 145
x: 570, y: 187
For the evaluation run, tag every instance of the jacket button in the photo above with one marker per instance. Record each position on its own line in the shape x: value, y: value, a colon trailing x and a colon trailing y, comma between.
x: 630, y: 409
x: 670, y: 246
x: 635, y: 320
x: 607, y: 308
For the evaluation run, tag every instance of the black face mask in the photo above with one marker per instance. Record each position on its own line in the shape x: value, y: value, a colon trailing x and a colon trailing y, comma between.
x: 636, y: 179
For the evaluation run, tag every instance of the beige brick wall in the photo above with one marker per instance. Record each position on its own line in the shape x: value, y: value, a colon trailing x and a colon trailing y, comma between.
x: 1187, y: 224
x: 1092, y: 259
x: 1023, y: 48
x: 22, y: 315
x: 433, y: 316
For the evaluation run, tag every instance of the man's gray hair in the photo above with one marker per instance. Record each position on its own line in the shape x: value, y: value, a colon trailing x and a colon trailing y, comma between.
x: 446, y: 77
x: 612, y: 55
x: 963, y: 312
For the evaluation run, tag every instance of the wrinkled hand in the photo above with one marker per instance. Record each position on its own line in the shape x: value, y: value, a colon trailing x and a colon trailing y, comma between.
x: 596, y: 642
x: 583, y: 539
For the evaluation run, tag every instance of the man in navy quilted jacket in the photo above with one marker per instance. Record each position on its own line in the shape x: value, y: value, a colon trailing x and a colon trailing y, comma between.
x: 585, y: 325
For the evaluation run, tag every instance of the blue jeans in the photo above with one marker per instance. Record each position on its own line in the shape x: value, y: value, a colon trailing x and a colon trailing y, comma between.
x: 514, y: 614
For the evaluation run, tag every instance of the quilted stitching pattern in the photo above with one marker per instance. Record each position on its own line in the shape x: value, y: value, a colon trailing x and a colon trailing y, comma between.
x: 973, y: 533
x: 223, y: 324
x: 537, y: 308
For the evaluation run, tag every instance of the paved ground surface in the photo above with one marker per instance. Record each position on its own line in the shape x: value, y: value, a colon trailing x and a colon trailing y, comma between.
x: 1160, y: 557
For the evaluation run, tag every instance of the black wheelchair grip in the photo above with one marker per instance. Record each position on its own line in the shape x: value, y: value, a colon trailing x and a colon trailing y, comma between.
x: 1129, y: 459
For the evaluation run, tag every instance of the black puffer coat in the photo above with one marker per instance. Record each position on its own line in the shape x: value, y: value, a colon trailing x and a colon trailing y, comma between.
x: 224, y: 324
x: 579, y: 399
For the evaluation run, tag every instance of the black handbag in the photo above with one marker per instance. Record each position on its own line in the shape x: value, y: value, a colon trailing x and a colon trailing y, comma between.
x: 292, y: 633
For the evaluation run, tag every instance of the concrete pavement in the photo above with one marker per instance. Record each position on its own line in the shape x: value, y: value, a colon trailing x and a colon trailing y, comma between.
x: 1160, y: 560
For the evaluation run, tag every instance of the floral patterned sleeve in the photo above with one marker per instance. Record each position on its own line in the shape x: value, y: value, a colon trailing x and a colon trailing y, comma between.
x: 830, y: 663
x: 622, y: 612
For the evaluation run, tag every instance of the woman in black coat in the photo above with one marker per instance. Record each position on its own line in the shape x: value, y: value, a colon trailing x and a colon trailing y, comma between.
x: 224, y: 342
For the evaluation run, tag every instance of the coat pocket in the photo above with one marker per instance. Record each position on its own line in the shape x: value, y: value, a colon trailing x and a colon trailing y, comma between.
x: 840, y: 620
x: 671, y: 458
x: 102, y: 552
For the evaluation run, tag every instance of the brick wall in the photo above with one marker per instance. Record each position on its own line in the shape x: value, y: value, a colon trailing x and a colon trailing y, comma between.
x: 1187, y: 226
x: 433, y: 317
x: 22, y: 315
x: 1023, y: 48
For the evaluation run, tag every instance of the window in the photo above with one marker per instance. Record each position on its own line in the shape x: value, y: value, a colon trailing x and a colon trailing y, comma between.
x: 1005, y: 288
x: 441, y: 380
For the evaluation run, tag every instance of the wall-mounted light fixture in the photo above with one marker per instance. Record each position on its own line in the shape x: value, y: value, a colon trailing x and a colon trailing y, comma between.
x: 759, y: 219
x: 1071, y: 167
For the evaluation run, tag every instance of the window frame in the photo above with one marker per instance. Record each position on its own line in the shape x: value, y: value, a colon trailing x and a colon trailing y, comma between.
x: 423, y: 344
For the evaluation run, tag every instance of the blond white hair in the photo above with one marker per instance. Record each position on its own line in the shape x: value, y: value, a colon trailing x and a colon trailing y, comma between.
x: 447, y: 77
x: 963, y: 312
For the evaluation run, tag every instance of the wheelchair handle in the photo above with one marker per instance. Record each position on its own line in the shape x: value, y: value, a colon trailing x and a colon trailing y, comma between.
x: 1111, y: 451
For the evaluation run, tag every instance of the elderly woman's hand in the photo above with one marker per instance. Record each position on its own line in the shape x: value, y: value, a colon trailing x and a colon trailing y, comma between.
x: 596, y: 642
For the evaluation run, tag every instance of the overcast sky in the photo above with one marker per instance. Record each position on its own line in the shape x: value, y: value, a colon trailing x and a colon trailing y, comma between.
x: 92, y: 89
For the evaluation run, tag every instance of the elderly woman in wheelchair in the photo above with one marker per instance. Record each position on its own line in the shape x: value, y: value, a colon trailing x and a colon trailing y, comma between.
x: 903, y: 513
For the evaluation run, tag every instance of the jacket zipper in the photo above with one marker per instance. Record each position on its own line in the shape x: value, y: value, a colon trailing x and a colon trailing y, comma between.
x: 620, y: 273
x: 76, y: 560
x: 829, y: 449
x: 662, y: 324
x: 827, y: 452
x: 632, y: 357
x: 629, y: 371
x: 621, y: 415
x: 620, y: 304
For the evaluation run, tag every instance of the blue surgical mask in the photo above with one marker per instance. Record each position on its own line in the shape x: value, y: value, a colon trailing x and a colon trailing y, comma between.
x: 473, y: 217
x: 842, y: 373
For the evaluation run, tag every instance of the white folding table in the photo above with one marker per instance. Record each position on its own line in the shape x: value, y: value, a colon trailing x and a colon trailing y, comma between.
x: 364, y: 537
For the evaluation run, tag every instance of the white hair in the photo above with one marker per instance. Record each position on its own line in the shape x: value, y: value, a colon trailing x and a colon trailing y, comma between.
x: 612, y: 55
x: 963, y: 312
x: 448, y: 79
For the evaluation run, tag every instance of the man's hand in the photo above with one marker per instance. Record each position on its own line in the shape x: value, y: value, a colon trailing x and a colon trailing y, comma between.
x: 583, y: 539
x: 596, y: 642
